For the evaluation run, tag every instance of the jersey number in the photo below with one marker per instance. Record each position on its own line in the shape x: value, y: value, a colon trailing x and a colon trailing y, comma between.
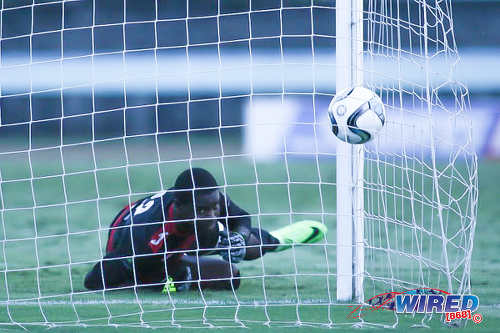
x: 160, y: 239
x: 144, y: 206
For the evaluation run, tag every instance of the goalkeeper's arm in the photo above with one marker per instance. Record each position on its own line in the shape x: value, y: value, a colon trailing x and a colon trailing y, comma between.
x: 250, y: 243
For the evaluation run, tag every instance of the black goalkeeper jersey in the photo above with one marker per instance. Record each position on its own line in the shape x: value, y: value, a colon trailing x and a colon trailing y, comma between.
x: 146, y: 230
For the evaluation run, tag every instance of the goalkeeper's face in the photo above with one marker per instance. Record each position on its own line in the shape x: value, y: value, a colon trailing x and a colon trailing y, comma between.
x: 204, y: 213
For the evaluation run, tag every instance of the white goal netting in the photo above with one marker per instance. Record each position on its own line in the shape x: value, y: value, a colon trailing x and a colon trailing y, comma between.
x: 104, y: 102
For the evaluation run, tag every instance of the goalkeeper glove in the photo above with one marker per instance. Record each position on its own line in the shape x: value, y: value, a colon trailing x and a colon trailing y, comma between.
x: 233, y: 245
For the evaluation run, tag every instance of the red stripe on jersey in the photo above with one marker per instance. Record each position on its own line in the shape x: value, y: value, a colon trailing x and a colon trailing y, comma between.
x: 157, y: 241
x: 116, y: 223
x: 170, y: 214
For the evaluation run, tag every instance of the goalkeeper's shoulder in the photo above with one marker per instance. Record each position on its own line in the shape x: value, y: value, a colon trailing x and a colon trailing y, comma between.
x: 232, y: 210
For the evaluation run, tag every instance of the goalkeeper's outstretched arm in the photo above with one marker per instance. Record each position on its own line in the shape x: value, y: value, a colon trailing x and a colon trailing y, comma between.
x: 255, y: 242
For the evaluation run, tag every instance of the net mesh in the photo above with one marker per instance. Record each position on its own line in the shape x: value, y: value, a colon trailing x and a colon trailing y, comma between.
x: 106, y: 102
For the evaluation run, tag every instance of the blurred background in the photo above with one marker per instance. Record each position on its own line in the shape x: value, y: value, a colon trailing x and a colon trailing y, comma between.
x: 123, y: 69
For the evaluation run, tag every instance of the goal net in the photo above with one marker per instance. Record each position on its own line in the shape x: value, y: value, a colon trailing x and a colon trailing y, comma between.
x: 104, y: 102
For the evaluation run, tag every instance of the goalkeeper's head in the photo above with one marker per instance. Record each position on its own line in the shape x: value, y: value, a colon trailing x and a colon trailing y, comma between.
x: 196, y: 198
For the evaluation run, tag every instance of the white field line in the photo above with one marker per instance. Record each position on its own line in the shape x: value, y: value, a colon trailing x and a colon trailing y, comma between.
x: 256, y: 303
x: 167, y: 302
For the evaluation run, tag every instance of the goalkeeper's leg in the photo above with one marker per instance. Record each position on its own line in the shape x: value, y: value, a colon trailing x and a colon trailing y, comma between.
x: 259, y: 243
x: 212, y: 273
x: 111, y: 273
x: 304, y: 232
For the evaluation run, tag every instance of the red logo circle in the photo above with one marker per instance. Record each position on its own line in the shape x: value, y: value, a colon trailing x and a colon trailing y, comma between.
x: 477, y: 318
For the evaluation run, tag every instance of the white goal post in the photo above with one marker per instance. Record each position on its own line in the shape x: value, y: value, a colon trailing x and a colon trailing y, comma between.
x: 350, y: 158
x: 105, y: 102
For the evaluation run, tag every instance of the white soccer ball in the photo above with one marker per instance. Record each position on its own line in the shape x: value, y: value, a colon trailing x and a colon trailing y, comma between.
x: 357, y: 115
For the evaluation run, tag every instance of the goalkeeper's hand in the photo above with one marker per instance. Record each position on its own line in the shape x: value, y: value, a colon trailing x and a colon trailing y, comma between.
x: 232, y: 244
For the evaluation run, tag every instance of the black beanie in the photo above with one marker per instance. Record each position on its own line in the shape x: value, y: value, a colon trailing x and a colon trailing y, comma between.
x: 203, y: 182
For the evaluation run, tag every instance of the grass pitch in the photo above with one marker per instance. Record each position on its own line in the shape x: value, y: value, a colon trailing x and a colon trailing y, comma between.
x: 40, y: 242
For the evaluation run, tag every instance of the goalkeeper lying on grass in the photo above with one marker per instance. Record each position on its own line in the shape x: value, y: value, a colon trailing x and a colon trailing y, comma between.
x: 164, y: 239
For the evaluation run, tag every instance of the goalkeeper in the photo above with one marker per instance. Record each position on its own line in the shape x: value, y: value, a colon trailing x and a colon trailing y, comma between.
x: 164, y: 239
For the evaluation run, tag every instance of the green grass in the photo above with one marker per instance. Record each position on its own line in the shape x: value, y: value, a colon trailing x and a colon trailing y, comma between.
x: 76, y: 233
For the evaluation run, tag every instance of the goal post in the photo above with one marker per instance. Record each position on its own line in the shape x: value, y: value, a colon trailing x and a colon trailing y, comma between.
x: 350, y: 158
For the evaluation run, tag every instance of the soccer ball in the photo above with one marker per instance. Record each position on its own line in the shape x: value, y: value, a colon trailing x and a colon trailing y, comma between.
x: 357, y: 115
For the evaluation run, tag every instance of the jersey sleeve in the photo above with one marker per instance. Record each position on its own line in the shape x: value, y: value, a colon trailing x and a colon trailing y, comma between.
x: 137, y: 228
x: 238, y: 219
